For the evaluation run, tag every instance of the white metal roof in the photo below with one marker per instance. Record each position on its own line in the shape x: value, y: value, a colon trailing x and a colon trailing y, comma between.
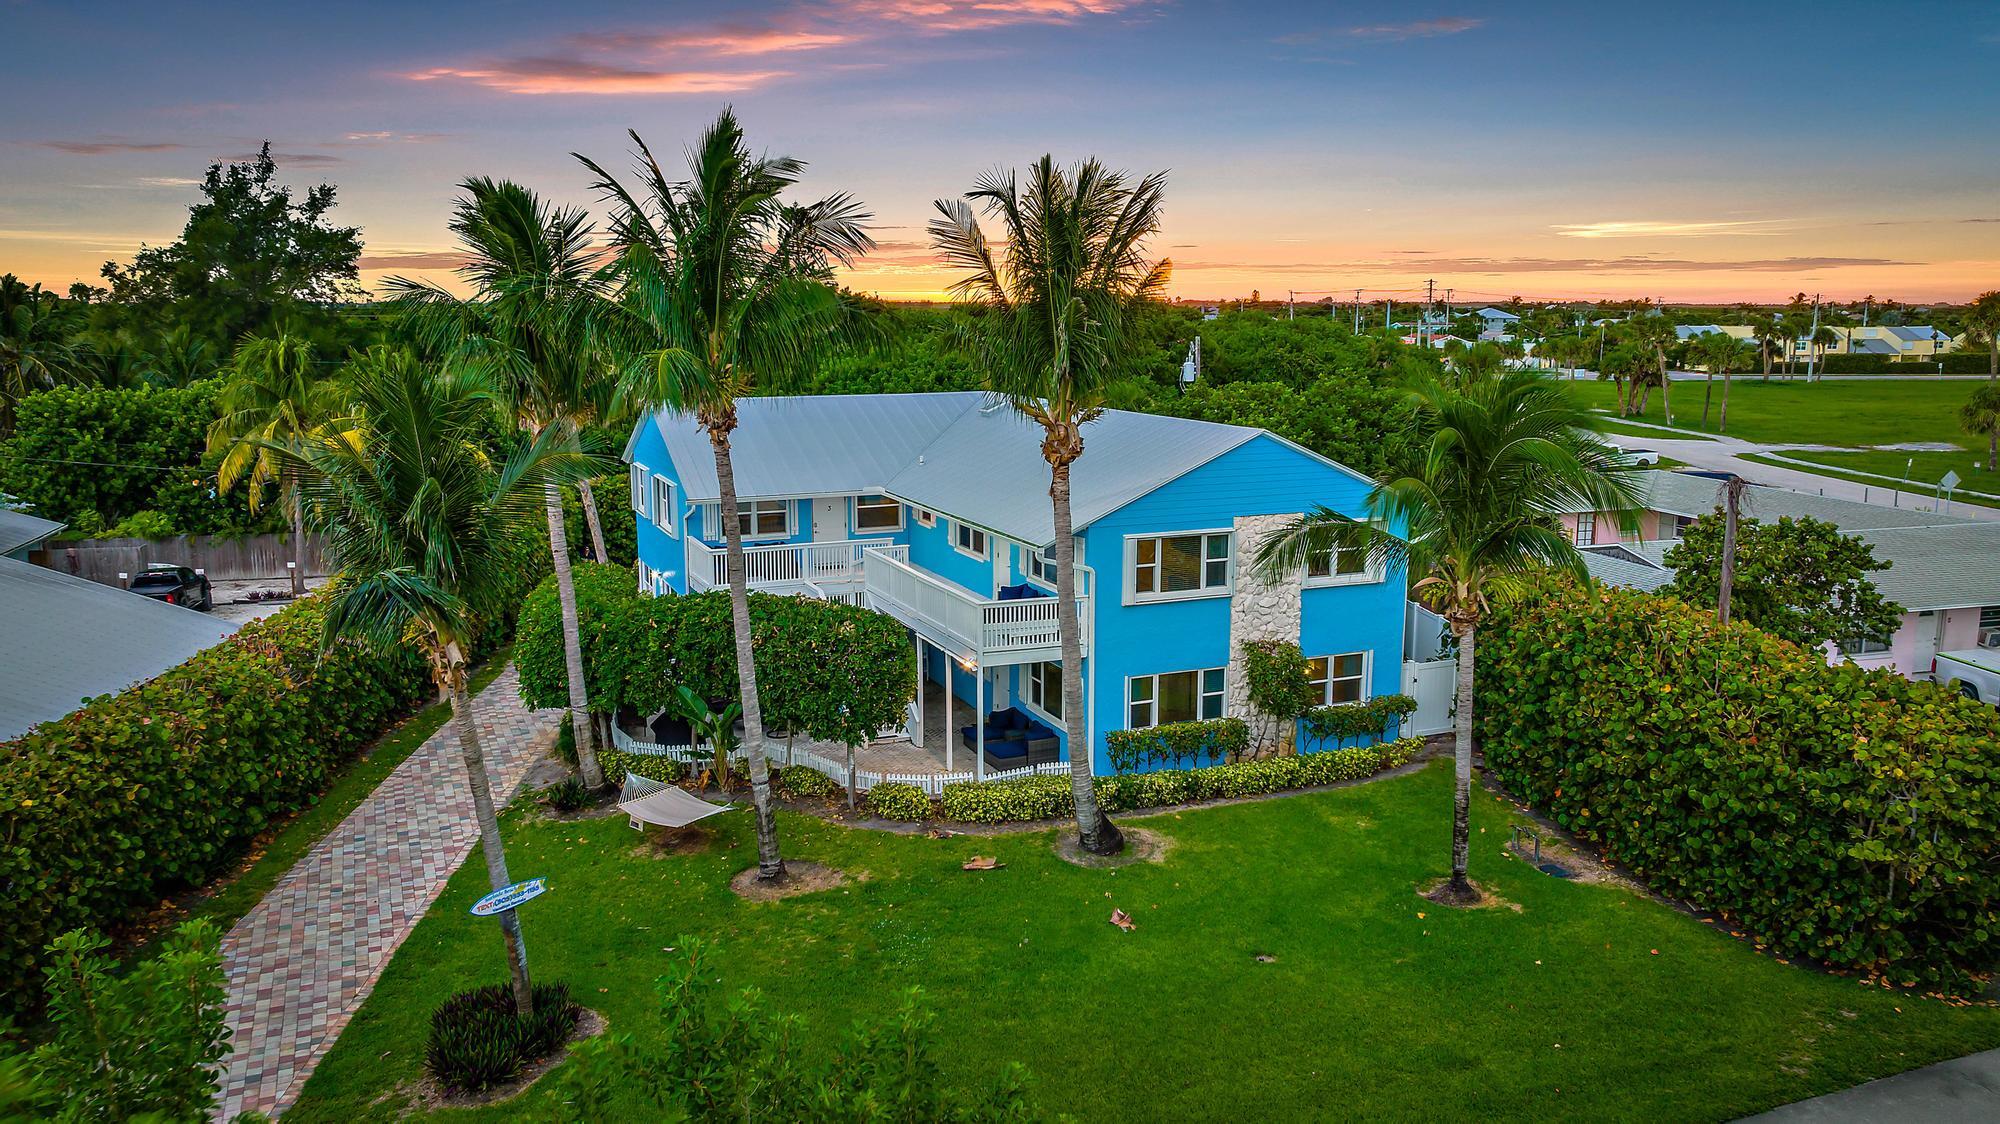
x: 19, y: 529
x: 961, y: 454
x: 1683, y: 493
x: 1942, y: 567
x: 68, y: 639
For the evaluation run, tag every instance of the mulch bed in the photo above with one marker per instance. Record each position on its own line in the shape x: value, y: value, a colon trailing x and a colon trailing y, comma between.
x: 430, y: 1096
x: 801, y: 877
x: 1141, y: 846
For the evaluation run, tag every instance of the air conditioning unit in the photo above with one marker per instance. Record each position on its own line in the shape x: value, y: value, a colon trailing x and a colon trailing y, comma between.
x: 1990, y: 638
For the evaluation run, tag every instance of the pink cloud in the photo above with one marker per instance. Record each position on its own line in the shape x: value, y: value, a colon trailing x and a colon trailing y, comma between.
x: 107, y: 147
x: 550, y: 75
x: 974, y: 15
x: 727, y: 39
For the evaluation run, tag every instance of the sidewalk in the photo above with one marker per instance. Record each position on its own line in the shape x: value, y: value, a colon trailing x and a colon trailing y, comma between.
x: 1961, y: 1090
x: 300, y: 964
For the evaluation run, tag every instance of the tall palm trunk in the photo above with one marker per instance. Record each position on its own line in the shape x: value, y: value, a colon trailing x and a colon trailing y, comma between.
x: 770, y: 864
x: 474, y: 756
x: 1722, y: 419
x: 580, y: 725
x: 1993, y: 356
x: 589, y: 501
x: 1666, y: 392
x: 1095, y: 831
x: 1461, y: 808
x: 1707, y: 395
x: 298, y: 507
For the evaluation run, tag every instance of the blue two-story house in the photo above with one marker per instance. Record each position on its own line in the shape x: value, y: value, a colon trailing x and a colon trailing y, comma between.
x: 934, y: 509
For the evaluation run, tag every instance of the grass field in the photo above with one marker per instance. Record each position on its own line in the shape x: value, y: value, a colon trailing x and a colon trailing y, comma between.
x: 1875, y: 412
x: 1825, y: 465
x: 1586, y: 1002
x: 1924, y: 469
x: 227, y: 901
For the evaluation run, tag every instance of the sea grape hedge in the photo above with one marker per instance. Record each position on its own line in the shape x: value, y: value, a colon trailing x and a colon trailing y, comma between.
x: 1177, y: 743
x: 1847, y: 816
x: 158, y: 787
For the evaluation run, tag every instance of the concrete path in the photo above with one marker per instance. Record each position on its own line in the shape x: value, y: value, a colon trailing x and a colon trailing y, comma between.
x: 1962, y: 1090
x: 300, y: 964
x: 1725, y: 454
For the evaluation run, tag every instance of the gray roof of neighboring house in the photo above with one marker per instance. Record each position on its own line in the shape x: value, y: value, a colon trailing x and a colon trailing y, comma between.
x: 19, y: 529
x: 1862, y: 345
x: 1490, y: 313
x: 1623, y: 566
x: 1690, y: 331
x: 68, y: 639
x: 1688, y: 494
x: 1914, y: 333
x: 960, y: 454
x: 1954, y: 566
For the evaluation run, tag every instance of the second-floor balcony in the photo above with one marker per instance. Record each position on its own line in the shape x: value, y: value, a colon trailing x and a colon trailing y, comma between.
x: 814, y: 568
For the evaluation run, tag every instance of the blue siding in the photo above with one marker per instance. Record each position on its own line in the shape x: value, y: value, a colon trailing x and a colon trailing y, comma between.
x: 658, y: 550
x: 1264, y: 476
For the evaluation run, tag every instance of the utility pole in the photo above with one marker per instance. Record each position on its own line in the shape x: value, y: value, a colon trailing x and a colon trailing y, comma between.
x: 1732, y: 504
x: 1357, y: 312
x: 1389, y: 313
x: 1291, y: 305
x: 1812, y: 345
x: 1447, y: 310
x: 1430, y: 299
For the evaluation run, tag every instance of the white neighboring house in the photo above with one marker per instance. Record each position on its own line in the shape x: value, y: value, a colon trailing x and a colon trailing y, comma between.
x: 1497, y: 321
x: 1944, y: 572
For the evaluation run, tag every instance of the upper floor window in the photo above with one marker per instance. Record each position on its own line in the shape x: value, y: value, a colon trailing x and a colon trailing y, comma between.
x: 1343, y: 566
x: 1039, y: 565
x: 638, y: 478
x: 926, y: 518
x: 1171, y: 566
x: 1586, y: 528
x: 969, y: 540
x: 663, y: 503
x: 877, y: 513
x: 1175, y: 696
x: 764, y: 519
x: 1339, y: 679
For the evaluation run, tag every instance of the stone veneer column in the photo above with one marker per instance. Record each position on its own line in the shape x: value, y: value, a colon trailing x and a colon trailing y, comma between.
x: 1258, y: 610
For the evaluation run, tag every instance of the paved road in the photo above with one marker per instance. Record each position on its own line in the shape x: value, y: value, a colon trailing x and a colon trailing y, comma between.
x: 1725, y: 454
x: 1962, y: 1091
x: 300, y: 964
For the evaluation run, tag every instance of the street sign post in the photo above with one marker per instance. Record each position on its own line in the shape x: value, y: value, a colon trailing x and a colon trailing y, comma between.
x: 508, y: 897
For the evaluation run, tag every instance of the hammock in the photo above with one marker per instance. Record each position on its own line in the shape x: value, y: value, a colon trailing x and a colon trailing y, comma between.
x: 648, y: 801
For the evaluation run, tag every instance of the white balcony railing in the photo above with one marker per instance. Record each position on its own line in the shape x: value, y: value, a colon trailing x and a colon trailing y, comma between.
x: 967, y: 625
x: 778, y: 565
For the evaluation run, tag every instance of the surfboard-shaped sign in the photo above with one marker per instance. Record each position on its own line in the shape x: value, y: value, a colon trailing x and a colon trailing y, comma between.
x: 507, y: 897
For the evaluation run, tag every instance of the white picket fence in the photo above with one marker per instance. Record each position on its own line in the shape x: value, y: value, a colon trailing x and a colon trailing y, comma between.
x: 836, y: 768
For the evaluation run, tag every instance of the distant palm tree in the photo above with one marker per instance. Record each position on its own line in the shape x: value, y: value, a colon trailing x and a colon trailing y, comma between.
x: 1722, y: 353
x: 1052, y: 310
x: 273, y: 399
x: 182, y: 356
x: 1981, y: 415
x: 1767, y: 334
x: 528, y: 323
x: 727, y: 290
x: 1982, y: 322
x: 1472, y: 512
x: 1821, y: 338
x: 1656, y: 334
x: 37, y: 345
x: 427, y: 530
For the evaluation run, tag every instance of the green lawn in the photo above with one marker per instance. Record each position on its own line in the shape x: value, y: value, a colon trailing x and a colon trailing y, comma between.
x: 1873, y: 412
x: 227, y: 901
x: 1379, y: 1004
x: 1924, y: 469
x: 1867, y: 481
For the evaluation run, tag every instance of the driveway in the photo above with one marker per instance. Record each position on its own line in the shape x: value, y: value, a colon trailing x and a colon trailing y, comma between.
x: 1961, y: 1090
x: 232, y: 598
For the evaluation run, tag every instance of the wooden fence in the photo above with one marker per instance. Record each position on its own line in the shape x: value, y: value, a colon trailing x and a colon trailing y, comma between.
x: 222, y: 559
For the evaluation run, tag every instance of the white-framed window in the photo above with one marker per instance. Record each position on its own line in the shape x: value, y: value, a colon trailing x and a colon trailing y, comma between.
x: 926, y: 518
x: 1346, y: 565
x: 1044, y: 688
x: 1586, y: 528
x: 638, y: 479
x: 969, y: 540
x: 1039, y: 565
x: 1173, y: 696
x: 664, y: 510
x: 1865, y: 647
x: 877, y: 513
x: 1170, y: 567
x: 1339, y: 679
x: 764, y: 519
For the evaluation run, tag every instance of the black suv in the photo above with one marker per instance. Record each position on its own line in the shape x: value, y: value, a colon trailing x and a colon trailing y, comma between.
x: 176, y: 585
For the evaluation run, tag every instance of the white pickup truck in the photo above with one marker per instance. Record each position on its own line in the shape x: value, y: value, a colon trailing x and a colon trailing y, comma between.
x: 1974, y: 671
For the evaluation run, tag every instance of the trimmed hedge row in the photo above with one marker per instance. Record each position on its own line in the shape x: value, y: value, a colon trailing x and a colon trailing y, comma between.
x: 1042, y: 798
x: 1217, y: 739
x: 140, y: 794
x: 897, y: 801
x: 1847, y: 816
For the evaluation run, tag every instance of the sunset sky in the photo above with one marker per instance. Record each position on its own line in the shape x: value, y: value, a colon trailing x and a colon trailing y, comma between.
x: 1694, y: 152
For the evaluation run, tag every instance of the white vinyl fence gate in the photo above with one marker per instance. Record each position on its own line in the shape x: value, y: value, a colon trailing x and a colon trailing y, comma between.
x: 1434, y: 684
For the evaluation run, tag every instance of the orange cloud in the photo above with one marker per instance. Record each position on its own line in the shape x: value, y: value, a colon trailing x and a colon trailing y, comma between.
x: 574, y: 76
x: 729, y: 39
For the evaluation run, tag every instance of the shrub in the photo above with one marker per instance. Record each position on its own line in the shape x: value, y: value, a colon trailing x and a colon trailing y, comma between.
x: 1024, y: 798
x: 567, y: 795
x: 1280, y: 686
x: 477, y: 1041
x: 141, y: 525
x: 1177, y: 743
x: 1372, y: 719
x: 1848, y: 816
x: 904, y: 802
x: 139, y: 794
x: 653, y: 766
x: 601, y: 591
x: 804, y: 781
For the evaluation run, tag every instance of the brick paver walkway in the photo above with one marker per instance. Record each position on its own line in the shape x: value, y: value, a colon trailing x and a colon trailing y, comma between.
x: 300, y: 964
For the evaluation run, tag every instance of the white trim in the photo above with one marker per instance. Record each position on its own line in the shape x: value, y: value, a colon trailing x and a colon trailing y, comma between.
x: 1367, y: 677
x: 1372, y: 573
x: 854, y: 515
x: 789, y: 506
x: 667, y: 505
x: 1129, y: 568
x: 985, y: 551
x: 925, y: 517
x: 1027, y: 575
x: 638, y: 487
x: 1199, y: 693
x: 1026, y: 702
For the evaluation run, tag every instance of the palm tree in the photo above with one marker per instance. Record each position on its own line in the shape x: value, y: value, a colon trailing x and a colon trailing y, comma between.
x: 528, y: 324
x: 1723, y: 354
x: 37, y: 345
x: 1981, y: 415
x: 1656, y: 334
x: 727, y: 290
x: 1053, y: 309
x: 1982, y: 321
x: 1821, y: 338
x: 1767, y: 334
x: 427, y: 532
x: 1471, y: 513
x: 273, y: 400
